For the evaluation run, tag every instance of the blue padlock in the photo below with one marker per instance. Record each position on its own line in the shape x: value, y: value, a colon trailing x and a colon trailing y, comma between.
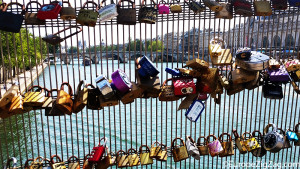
x: 292, y: 136
x: 147, y: 68
x: 173, y: 72
x: 295, y: 3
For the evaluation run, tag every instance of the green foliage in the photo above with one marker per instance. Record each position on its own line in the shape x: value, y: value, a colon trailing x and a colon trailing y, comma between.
x: 19, y: 46
x: 139, y: 46
x: 156, y: 46
x: 72, y: 49
x: 53, y: 49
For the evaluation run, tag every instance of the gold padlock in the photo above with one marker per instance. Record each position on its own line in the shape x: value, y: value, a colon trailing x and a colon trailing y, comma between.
x: 64, y: 100
x: 262, y: 8
x: 250, y: 142
x: 145, y: 155
x: 239, y: 76
x: 175, y: 7
x: 58, y: 164
x: 163, y: 154
x: 203, y: 148
x: 133, y: 157
x: 179, y: 151
x: 67, y: 13
x: 122, y: 159
x: 81, y: 96
x: 219, y: 55
x: 107, y: 161
x: 30, y: 17
x: 226, y: 12
x: 213, y: 5
x: 227, y: 145
x: 135, y: 92
x: 9, y: 95
x: 286, y: 143
x: 37, y: 163
x: 34, y: 98
x: 155, y: 150
x: 73, y: 163
x: 16, y: 106
x: 28, y: 164
x: 239, y: 143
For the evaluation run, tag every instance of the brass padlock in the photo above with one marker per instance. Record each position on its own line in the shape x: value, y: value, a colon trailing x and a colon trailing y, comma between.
x: 58, y: 164
x: 227, y: 145
x: 86, y: 163
x: 81, y: 97
x: 213, y: 5
x: 155, y: 150
x: 28, y: 163
x: 9, y: 95
x: 179, y: 151
x: 175, y: 7
x: 133, y: 157
x: 163, y: 154
x: 202, y: 146
x: 226, y: 12
x: 239, y: 142
x: 261, y: 151
x: 297, y: 131
x: 67, y: 13
x: 197, y: 64
x: 31, y: 18
x: 262, y: 8
x: 286, y: 143
x: 108, y: 160
x: 16, y: 106
x: 37, y: 163
x: 122, y: 159
x: 145, y: 155
x: 108, y: 102
x: 239, y: 76
x: 34, y: 98
x: 64, y: 100
x: 219, y: 55
x: 250, y: 142
x: 135, y: 92
x: 73, y: 163
x: 50, y: 105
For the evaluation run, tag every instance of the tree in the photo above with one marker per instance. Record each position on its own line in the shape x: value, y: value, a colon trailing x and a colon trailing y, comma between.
x: 53, y: 49
x: 139, y: 46
x: 156, y: 46
x: 72, y: 49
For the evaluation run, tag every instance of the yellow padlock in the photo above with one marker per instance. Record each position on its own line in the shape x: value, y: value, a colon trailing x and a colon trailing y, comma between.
x: 58, y: 164
x: 34, y: 98
x: 122, y: 159
x: 133, y: 157
x: 163, y: 154
x: 73, y: 163
x: 37, y: 163
x: 155, y: 150
x: 250, y: 142
x: 145, y: 155
x: 179, y: 151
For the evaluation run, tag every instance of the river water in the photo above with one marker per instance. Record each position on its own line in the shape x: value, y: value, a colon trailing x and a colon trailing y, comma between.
x: 143, y: 122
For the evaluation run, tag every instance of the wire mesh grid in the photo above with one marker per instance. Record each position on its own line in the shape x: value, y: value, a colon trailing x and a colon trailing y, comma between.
x: 184, y: 36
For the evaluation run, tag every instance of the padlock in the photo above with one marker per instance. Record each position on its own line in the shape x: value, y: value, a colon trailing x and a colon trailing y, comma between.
x: 242, y: 7
x: 195, y: 110
x: 250, y: 142
x: 9, y: 21
x: 122, y: 159
x: 73, y: 163
x: 133, y: 157
x: 126, y: 16
x: 98, y: 151
x: 219, y: 55
x: 151, y: 86
x: 295, y: 3
x: 146, y: 67
x: 49, y: 11
x: 86, y: 163
x: 135, y: 92
x: 243, y: 53
x: 163, y: 8
x: 28, y: 163
x: 213, y: 5
x: 291, y: 136
x: 196, y: 7
x: 87, y: 17
x: 184, y: 86
x: 108, y: 160
x: 227, y: 145
x: 179, y: 151
x: 108, y: 102
x: 9, y: 95
x: 34, y: 98
x: 155, y: 150
x: 292, y: 65
x: 297, y: 131
x: 279, y: 4
x: 202, y: 146
x: 272, y: 90
x: 104, y: 87
x: 273, y: 141
x: 258, y: 61
x: 167, y: 92
x: 37, y: 163
x: 239, y: 76
x: 107, y: 12
x: 226, y: 12
x: 279, y: 75
x: 214, y: 147
x: 58, y: 164
x: 192, y: 148
x: 64, y: 100
x: 145, y: 155
x: 187, y: 101
x: 175, y: 7
x: 81, y: 97
x: 16, y: 106
x: 148, y: 14
x: 197, y: 64
x: 286, y: 143
x: 260, y: 152
x: 93, y: 100
x: 262, y: 8
x: 11, y: 163
x: 47, y: 164
x: 163, y: 154
x: 50, y: 105
x: 67, y: 13
x: 239, y: 142
x: 273, y: 64
x: 30, y: 17
x: 54, y: 39
x: 121, y: 81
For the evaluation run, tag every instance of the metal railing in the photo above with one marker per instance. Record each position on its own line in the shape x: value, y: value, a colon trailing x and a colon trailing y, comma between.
x: 144, y: 121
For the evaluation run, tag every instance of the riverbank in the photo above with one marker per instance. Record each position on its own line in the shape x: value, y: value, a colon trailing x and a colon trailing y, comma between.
x: 24, y: 79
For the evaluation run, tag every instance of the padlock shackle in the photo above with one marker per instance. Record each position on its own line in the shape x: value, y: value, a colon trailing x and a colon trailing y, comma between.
x: 155, y: 143
x: 120, y: 153
x: 177, y: 138
x: 39, y: 88
x: 217, y: 40
x: 14, y: 3
x: 266, y: 129
x: 27, y: 162
x: 143, y: 3
x: 104, y: 140
x: 129, y: 1
x: 73, y: 159
x: 211, y: 135
x: 72, y: 34
x: 81, y: 83
x: 131, y: 151
x: 165, y: 82
x: 190, y: 138
x: 27, y: 6
x: 40, y: 159
x: 70, y: 91
x: 297, y: 128
x: 229, y: 138
x: 13, y: 160
x: 89, y: 85
x: 281, y: 131
x: 103, y: 1
x: 92, y: 2
x: 66, y: 2
x: 243, y: 136
x: 49, y: 162
x: 141, y: 149
x: 57, y: 157
x: 199, y: 141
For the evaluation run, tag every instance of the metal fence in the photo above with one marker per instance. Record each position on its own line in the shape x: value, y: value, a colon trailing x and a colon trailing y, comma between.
x: 184, y: 36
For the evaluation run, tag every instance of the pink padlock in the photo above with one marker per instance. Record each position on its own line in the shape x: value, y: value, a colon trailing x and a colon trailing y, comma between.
x: 215, y: 147
x: 163, y: 8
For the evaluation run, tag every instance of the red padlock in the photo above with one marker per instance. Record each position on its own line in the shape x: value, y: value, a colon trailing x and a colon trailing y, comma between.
x: 98, y: 152
x: 184, y: 86
x: 49, y: 11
